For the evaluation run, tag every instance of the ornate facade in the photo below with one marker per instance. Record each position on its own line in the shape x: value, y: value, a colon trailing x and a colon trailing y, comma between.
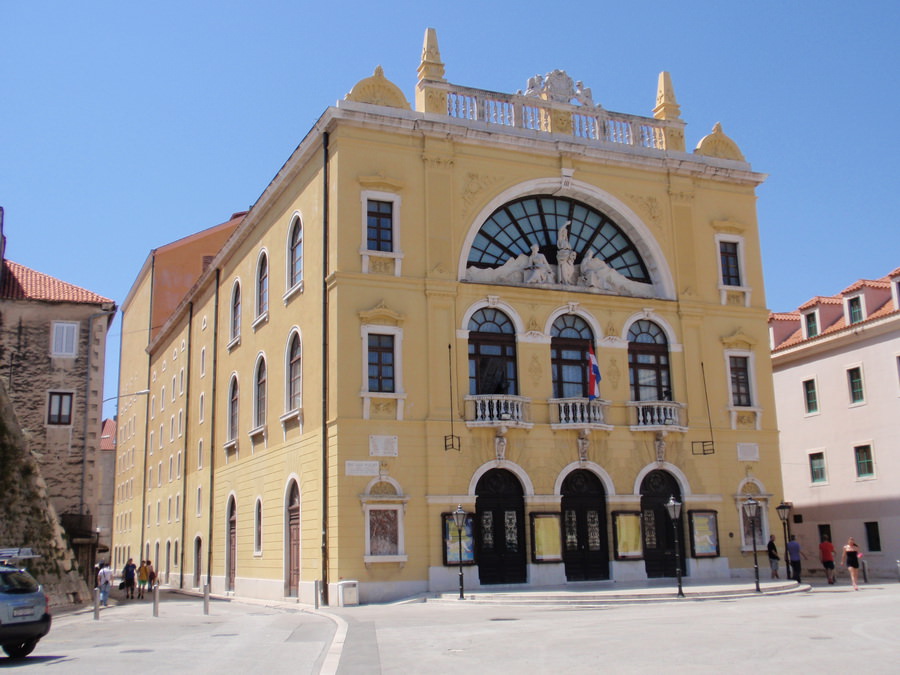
x: 524, y: 304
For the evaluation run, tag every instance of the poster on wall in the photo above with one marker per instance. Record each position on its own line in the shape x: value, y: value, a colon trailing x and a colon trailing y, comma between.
x: 627, y: 535
x: 451, y: 540
x: 704, y: 534
x: 546, y: 538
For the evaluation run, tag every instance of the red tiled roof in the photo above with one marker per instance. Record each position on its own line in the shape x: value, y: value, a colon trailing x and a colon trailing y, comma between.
x: 821, y: 300
x: 862, y: 283
x: 784, y: 316
x: 23, y: 283
x: 108, y: 435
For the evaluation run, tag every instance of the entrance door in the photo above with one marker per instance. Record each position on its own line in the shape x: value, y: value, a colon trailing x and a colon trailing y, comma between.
x: 500, y: 514
x: 294, y: 542
x: 659, y: 535
x: 586, y: 547
x: 232, y: 546
x: 198, y: 547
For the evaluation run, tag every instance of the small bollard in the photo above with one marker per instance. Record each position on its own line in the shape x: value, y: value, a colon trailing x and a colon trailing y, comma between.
x: 156, y: 600
x: 96, y: 604
x: 865, y: 570
x: 206, y: 599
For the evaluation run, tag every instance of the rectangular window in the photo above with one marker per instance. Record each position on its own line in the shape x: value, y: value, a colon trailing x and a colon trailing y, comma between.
x: 65, y: 338
x: 873, y: 537
x: 740, y: 380
x: 810, y: 397
x: 855, y: 382
x: 379, y: 225
x: 731, y: 271
x: 817, y: 467
x: 865, y: 464
x: 854, y: 307
x: 59, y: 408
x: 812, y: 325
x: 381, y: 363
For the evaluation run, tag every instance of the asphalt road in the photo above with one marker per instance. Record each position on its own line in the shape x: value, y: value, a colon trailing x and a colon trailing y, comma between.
x: 828, y: 630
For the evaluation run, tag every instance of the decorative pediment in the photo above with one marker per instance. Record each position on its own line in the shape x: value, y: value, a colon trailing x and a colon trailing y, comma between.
x: 382, y: 315
x: 380, y: 182
x: 717, y: 144
x: 738, y: 340
x: 729, y: 226
x: 378, y: 90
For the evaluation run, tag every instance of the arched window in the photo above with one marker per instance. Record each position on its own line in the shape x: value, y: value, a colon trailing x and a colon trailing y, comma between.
x: 259, y: 398
x: 233, y: 397
x: 571, y: 339
x: 492, y: 353
x: 648, y: 362
x: 295, y: 254
x: 295, y: 374
x: 262, y: 286
x: 236, y: 312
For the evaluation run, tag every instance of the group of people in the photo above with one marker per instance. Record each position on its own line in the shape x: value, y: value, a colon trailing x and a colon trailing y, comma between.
x: 135, y: 580
x: 851, y: 555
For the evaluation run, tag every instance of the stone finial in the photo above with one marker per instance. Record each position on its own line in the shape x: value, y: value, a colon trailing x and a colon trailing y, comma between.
x: 667, y: 107
x: 378, y: 90
x: 431, y: 67
x: 717, y: 144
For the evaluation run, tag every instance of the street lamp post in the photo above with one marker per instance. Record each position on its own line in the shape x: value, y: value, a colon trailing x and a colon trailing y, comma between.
x: 459, y: 519
x: 751, y: 508
x: 674, y: 509
x: 784, y: 510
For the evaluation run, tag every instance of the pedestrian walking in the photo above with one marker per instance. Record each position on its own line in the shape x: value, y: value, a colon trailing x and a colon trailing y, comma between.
x: 128, y: 577
x: 850, y: 560
x: 142, y: 575
x: 773, y: 556
x: 826, y: 555
x: 104, y: 583
x: 151, y: 576
x: 794, y: 554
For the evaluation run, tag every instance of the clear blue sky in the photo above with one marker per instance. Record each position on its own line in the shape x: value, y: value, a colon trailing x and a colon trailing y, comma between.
x: 124, y: 126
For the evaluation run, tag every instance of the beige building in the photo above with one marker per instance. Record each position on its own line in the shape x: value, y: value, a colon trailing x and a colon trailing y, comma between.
x: 404, y: 322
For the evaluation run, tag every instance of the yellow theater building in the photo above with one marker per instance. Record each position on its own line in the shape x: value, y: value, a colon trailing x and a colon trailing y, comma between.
x: 547, y: 313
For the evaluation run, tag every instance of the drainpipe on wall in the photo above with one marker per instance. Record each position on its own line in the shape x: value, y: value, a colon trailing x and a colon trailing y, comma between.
x: 325, y: 368
x: 212, y: 430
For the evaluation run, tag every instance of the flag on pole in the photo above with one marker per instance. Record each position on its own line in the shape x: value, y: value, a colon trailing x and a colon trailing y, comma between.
x: 593, y: 375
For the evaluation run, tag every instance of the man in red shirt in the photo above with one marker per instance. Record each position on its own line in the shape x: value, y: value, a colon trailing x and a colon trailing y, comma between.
x: 826, y: 555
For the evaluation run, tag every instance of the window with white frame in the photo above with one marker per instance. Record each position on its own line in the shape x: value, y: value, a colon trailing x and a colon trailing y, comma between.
x: 202, y: 361
x: 817, y: 473
x: 199, y: 500
x: 201, y: 409
x: 855, y: 311
x: 384, y: 506
x: 259, y: 395
x: 262, y: 286
x: 64, y: 341
x: 235, y: 315
x: 864, y: 460
x: 811, y: 324
x: 730, y: 259
x: 295, y: 255
x: 233, y: 400
x: 382, y: 365
x: 294, y: 380
x: 810, y: 397
x: 855, y: 385
x: 257, y: 528
x: 200, y: 454
x: 740, y: 376
x: 381, y: 232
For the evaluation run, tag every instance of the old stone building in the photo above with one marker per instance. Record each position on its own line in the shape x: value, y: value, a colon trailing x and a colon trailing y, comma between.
x: 547, y: 313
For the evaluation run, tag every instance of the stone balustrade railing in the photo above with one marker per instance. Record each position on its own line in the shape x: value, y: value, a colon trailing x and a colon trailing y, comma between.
x: 657, y: 414
x: 579, y: 413
x: 497, y: 410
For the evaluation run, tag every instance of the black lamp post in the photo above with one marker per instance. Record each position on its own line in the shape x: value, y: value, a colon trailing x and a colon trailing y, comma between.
x: 459, y: 519
x: 784, y: 510
x: 751, y: 508
x: 674, y: 509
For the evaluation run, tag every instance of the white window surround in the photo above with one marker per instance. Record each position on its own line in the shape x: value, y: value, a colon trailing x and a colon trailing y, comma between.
x: 804, y: 326
x: 259, y: 312
x: 399, y: 395
x: 397, y: 253
x: 723, y: 289
x: 808, y: 468
x: 370, y: 504
x: 815, y: 380
x: 734, y: 410
x: 292, y: 412
x: 292, y: 290
x: 234, y: 322
x: 64, y: 339
x: 763, y: 526
x: 871, y: 445
x: 850, y: 402
x: 862, y: 307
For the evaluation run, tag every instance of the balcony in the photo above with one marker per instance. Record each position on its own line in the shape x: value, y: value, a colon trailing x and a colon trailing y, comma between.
x: 657, y: 416
x: 498, y: 410
x: 578, y: 413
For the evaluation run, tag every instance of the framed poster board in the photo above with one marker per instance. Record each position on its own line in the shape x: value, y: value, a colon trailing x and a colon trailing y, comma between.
x: 451, y: 540
x: 704, y: 534
x: 546, y: 538
x: 627, y: 535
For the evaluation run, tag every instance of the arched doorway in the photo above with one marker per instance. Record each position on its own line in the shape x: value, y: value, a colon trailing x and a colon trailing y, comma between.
x: 168, y: 559
x: 198, y: 548
x: 293, y: 541
x: 585, y: 539
x: 659, y: 536
x: 500, y: 512
x: 232, y: 546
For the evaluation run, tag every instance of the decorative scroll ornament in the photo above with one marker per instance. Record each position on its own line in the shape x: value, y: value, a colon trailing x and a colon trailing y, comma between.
x: 558, y: 87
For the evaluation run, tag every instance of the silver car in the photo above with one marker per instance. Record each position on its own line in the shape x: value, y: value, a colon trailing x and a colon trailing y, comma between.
x: 24, y: 612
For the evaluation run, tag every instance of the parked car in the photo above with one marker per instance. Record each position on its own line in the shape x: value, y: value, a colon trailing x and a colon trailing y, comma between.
x: 24, y: 611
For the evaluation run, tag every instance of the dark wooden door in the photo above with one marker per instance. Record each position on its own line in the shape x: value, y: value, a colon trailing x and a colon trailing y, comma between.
x: 294, y: 543
x: 585, y: 539
x: 232, y: 546
x: 500, y: 516
x: 198, y: 547
x: 658, y: 533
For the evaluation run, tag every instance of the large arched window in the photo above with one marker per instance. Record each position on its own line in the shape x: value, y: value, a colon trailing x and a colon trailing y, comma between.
x: 295, y: 253
x: 571, y: 339
x: 233, y: 398
x: 492, y: 353
x: 259, y: 394
x: 537, y: 220
x: 294, y: 374
x: 236, y: 311
x: 648, y: 362
x: 262, y: 285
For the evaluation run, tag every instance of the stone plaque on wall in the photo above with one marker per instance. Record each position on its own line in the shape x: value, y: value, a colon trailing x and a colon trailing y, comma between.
x: 383, y: 446
x: 352, y: 468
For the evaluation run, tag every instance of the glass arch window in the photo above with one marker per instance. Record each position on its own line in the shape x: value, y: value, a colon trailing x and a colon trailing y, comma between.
x: 262, y: 286
x: 648, y: 362
x: 233, y: 398
x: 570, y: 340
x: 259, y: 407
x: 513, y: 228
x: 492, y: 353
x: 236, y: 312
x: 295, y: 373
x: 295, y: 254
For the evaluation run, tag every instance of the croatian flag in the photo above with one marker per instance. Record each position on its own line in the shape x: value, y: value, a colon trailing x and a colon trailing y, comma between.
x: 593, y: 375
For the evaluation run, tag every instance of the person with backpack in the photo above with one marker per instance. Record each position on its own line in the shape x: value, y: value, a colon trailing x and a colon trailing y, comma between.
x: 128, y: 575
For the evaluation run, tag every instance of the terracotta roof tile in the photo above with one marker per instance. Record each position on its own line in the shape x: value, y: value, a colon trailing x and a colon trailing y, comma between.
x: 821, y: 300
x: 23, y: 283
x: 108, y: 435
x: 862, y: 283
